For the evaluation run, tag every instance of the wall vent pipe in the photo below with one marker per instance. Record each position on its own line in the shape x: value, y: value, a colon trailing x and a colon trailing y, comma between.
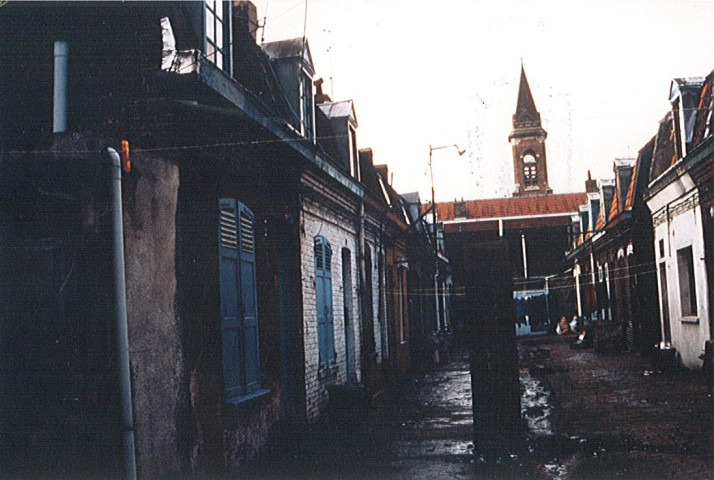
x: 59, y: 119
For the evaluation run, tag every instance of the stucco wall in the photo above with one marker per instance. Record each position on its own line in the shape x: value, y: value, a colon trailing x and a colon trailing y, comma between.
x: 679, y: 229
x: 150, y: 196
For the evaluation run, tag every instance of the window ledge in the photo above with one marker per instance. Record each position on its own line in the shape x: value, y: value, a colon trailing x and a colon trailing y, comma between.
x: 692, y: 320
x: 328, y: 372
x: 263, y: 392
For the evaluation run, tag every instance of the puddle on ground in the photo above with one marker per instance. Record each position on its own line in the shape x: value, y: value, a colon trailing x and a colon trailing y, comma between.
x: 421, y: 448
x: 447, y: 389
x: 535, y: 405
x: 536, y: 409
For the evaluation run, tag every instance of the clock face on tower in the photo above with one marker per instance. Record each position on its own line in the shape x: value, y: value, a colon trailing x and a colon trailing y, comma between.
x: 529, y: 158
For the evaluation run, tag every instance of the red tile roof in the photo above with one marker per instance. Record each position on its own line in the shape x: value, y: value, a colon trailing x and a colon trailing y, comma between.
x: 514, y: 207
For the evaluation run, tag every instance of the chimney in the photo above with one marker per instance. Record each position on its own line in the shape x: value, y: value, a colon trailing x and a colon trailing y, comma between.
x: 245, y: 17
x: 320, y: 97
x: 590, y: 184
x: 365, y: 155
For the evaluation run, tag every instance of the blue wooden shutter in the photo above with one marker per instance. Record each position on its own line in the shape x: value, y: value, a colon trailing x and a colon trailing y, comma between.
x: 320, y: 304
x: 329, y: 317
x: 249, y: 297
x: 234, y: 382
x: 323, y: 300
x: 239, y: 316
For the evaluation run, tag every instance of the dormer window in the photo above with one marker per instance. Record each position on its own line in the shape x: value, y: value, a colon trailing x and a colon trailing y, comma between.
x: 684, y: 98
x: 307, y: 107
x: 530, y: 172
x: 216, y: 23
x: 354, y: 156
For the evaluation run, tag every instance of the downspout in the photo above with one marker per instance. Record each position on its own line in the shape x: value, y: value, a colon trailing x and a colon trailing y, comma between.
x: 382, y: 319
x: 127, y: 417
x: 525, y: 258
x: 592, y: 279
x: 437, y: 313
x: 59, y: 113
x: 576, y: 273
x: 362, y: 288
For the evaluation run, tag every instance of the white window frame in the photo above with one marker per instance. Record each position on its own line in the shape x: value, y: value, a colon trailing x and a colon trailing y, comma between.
x: 217, y: 30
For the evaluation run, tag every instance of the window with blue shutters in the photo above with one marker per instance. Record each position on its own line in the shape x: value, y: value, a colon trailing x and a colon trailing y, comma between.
x: 323, y: 297
x: 239, y: 312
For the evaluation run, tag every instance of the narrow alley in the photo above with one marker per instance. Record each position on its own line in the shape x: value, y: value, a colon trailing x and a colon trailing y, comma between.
x: 585, y: 416
x: 613, y: 416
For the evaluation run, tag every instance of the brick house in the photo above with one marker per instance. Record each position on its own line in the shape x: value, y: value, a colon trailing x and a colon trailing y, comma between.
x: 251, y: 266
x: 613, y: 259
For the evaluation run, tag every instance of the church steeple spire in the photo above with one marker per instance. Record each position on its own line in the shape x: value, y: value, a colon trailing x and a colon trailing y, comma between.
x: 526, y: 113
x: 530, y: 170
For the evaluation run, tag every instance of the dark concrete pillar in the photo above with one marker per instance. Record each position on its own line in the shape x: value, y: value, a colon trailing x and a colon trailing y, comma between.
x: 490, y: 336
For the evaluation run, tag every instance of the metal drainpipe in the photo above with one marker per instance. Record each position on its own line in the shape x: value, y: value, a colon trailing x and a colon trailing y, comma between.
x: 127, y: 416
x: 525, y: 258
x: 59, y: 117
x: 362, y: 279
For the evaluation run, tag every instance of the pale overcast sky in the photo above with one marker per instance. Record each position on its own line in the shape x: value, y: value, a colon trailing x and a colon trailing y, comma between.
x: 436, y: 73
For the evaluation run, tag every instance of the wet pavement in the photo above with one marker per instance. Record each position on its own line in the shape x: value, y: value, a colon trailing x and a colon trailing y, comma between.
x: 615, y: 417
x: 585, y: 416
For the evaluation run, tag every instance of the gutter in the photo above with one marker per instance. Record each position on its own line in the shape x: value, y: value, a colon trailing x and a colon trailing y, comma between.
x: 515, y: 217
x: 242, y: 100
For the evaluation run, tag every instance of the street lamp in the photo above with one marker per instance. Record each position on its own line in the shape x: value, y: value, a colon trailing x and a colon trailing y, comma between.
x: 433, y: 224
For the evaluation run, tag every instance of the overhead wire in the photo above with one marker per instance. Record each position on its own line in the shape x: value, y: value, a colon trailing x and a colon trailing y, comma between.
x: 180, y: 147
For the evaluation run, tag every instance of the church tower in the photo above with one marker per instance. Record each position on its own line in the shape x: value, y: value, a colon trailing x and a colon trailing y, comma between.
x: 528, y: 143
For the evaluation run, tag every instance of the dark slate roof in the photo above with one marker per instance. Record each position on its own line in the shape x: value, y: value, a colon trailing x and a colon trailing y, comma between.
x: 284, y: 48
x: 623, y: 175
x: 291, y: 48
x: 326, y: 137
x: 342, y: 109
x: 640, y: 178
x: 704, y: 108
x: 664, y: 154
x: 370, y: 177
x: 411, y: 197
x: 253, y: 71
x: 374, y: 177
x: 607, y: 194
x: 563, y: 203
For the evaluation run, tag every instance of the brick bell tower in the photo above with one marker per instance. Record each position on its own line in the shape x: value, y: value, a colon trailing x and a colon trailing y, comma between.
x: 530, y: 169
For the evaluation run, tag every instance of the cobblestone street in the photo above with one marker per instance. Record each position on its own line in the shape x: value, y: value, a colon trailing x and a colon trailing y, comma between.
x: 586, y: 416
x: 619, y: 417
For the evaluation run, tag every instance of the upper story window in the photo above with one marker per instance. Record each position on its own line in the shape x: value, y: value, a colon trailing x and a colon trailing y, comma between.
x: 217, y: 29
x: 530, y: 173
x: 354, y: 155
x: 307, y: 106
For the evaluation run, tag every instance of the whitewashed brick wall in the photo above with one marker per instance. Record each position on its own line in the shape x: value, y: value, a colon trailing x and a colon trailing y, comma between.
x: 340, y: 234
x: 380, y: 343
